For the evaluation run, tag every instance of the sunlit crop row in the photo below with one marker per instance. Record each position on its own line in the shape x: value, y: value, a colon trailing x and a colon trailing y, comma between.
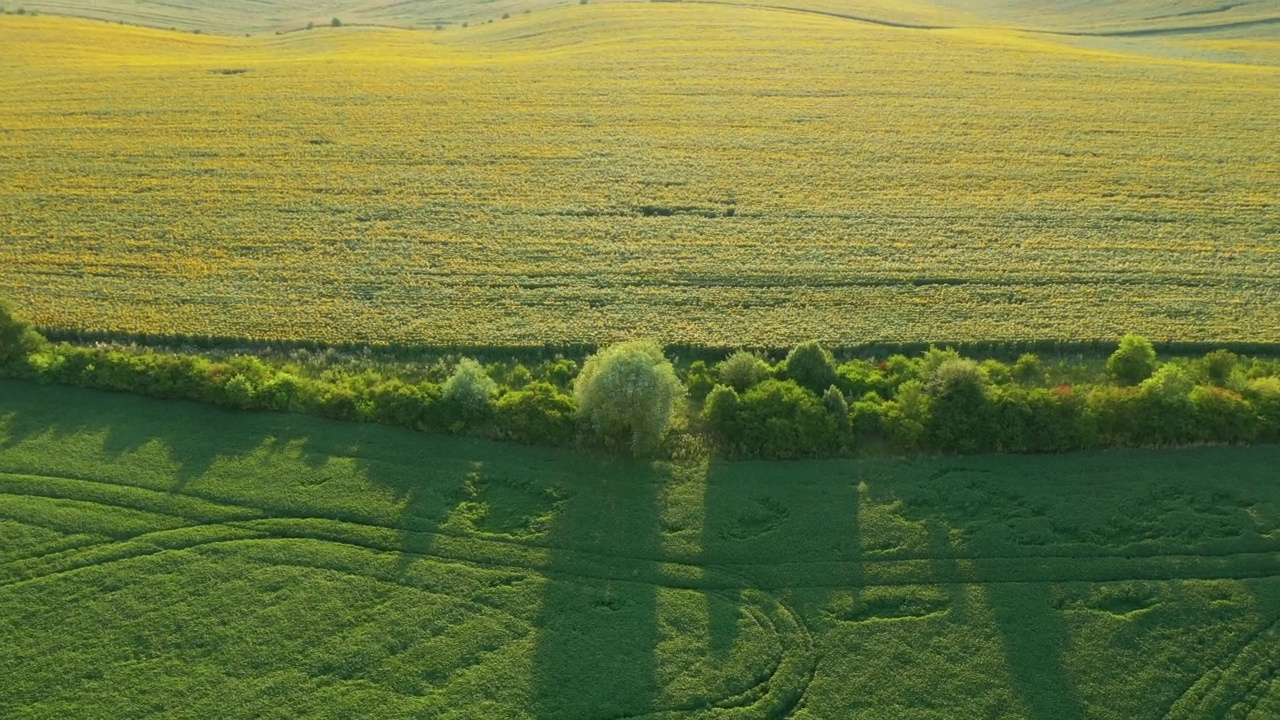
x: 706, y: 175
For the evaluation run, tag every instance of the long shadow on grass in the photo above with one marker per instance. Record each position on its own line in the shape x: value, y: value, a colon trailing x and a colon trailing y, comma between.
x: 597, y: 631
x: 960, y: 497
x: 191, y: 436
x: 778, y: 527
x: 1034, y: 639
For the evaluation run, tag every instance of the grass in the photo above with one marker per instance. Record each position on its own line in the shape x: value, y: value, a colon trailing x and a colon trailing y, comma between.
x: 701, y: 174
x: 175, y: 560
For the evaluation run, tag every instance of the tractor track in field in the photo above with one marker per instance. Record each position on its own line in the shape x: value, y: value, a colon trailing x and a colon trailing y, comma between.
x: 1230, y: 681
x: 778, y: 692
x: 781, y: 686
x: 682, y: 574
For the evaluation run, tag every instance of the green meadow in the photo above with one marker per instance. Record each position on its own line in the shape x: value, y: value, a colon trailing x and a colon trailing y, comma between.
x: 165, y: 559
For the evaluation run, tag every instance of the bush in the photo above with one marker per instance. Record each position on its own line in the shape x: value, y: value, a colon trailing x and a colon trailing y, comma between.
x: 811, y: 367
x: 932, y: 359
x: 780, y: 420
x: 1164, y: 414
x: 700, y: 380
x: 905, y: 419
x: 1028, y: 369
x: 1133, y: 362
x: 859, y: 377
x: 627, y: 395
x: 395, y: 402
x: 866, y: 417
x: 838, y: 406
x: 1217, y: 367
x: 962, y: 419
x: 1223, y: 416
x: 560, y: 372
x: 538, y: 414
x: 996, y: 372
x: 335, y: 23
x: 17, y: 338
x: 1039, y: 420
x: 1264, y: 395
x: 720, y: 411
x: 469, y: 390
x: 742, y: 370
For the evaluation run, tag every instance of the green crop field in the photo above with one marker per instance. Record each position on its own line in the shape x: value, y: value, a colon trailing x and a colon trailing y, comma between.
x: 701, y: 174
x: 170, y: 560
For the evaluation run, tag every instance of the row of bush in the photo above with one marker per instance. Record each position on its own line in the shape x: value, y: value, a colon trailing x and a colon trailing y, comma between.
x: 942, y: 402
x: 631, y: 398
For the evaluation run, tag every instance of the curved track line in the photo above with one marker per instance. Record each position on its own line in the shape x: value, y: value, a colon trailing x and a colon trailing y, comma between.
x: 1229, y: 683
x: 788, y: 678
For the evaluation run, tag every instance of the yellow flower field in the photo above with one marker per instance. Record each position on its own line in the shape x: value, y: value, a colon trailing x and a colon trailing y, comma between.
x: 696, y: 173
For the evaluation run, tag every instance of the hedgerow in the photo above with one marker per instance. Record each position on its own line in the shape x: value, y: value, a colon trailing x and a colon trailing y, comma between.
x: 627, y: 397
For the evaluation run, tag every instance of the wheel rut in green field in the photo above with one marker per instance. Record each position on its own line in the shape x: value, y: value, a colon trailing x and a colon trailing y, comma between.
x: 342, y: 562
x: 1228, y: 689
x: 771, y: 693
x: 610, y: 566
x: 746, y: 584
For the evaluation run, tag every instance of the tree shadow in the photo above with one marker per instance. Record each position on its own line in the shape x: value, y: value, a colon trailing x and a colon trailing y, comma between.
x: 778, y: 527
x: 1034, y: 639
x: 129, y: 423
x: 597, y: 637
x: 949, y: 501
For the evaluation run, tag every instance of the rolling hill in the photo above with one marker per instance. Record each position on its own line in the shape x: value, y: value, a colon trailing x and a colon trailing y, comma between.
x: 702, y: 174
x: 1076, y: 16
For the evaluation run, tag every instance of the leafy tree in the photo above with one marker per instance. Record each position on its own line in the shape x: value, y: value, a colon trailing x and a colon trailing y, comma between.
x: 627, y: 395
x: 1223, y: 416
x: 1264, y: 395
x: 720, y: 411
x: 742, y: 370
x: 1218, y: 365
x: 1028, y: 369
x: 962, y: 413
x: 470, y: 390
x: 838, y: 406
x: 537, y: 414
x: 336, y: 22
x: 779, y: 419
x: 700, y: 380
x: 811, y: 366
x: 1134, y: 361
x: 1164, y: 414
x: 17, y: 338
x: 905, y: 418
x: 932, y: 359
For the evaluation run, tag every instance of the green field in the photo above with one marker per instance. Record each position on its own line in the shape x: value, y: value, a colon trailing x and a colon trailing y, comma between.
x: 173, y: 560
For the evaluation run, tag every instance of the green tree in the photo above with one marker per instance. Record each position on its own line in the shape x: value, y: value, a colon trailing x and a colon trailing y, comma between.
x: 780, y: 420
x: 1218, y: 365
x: 742, y: 370
x: 537, y: 414
x: 627, y: 395
x: 811, y: 366
x: 17, y: 338
x: 963, y: 414
x: 470, y: 390
x: 1028, y: 369
x: 1134, y: 361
